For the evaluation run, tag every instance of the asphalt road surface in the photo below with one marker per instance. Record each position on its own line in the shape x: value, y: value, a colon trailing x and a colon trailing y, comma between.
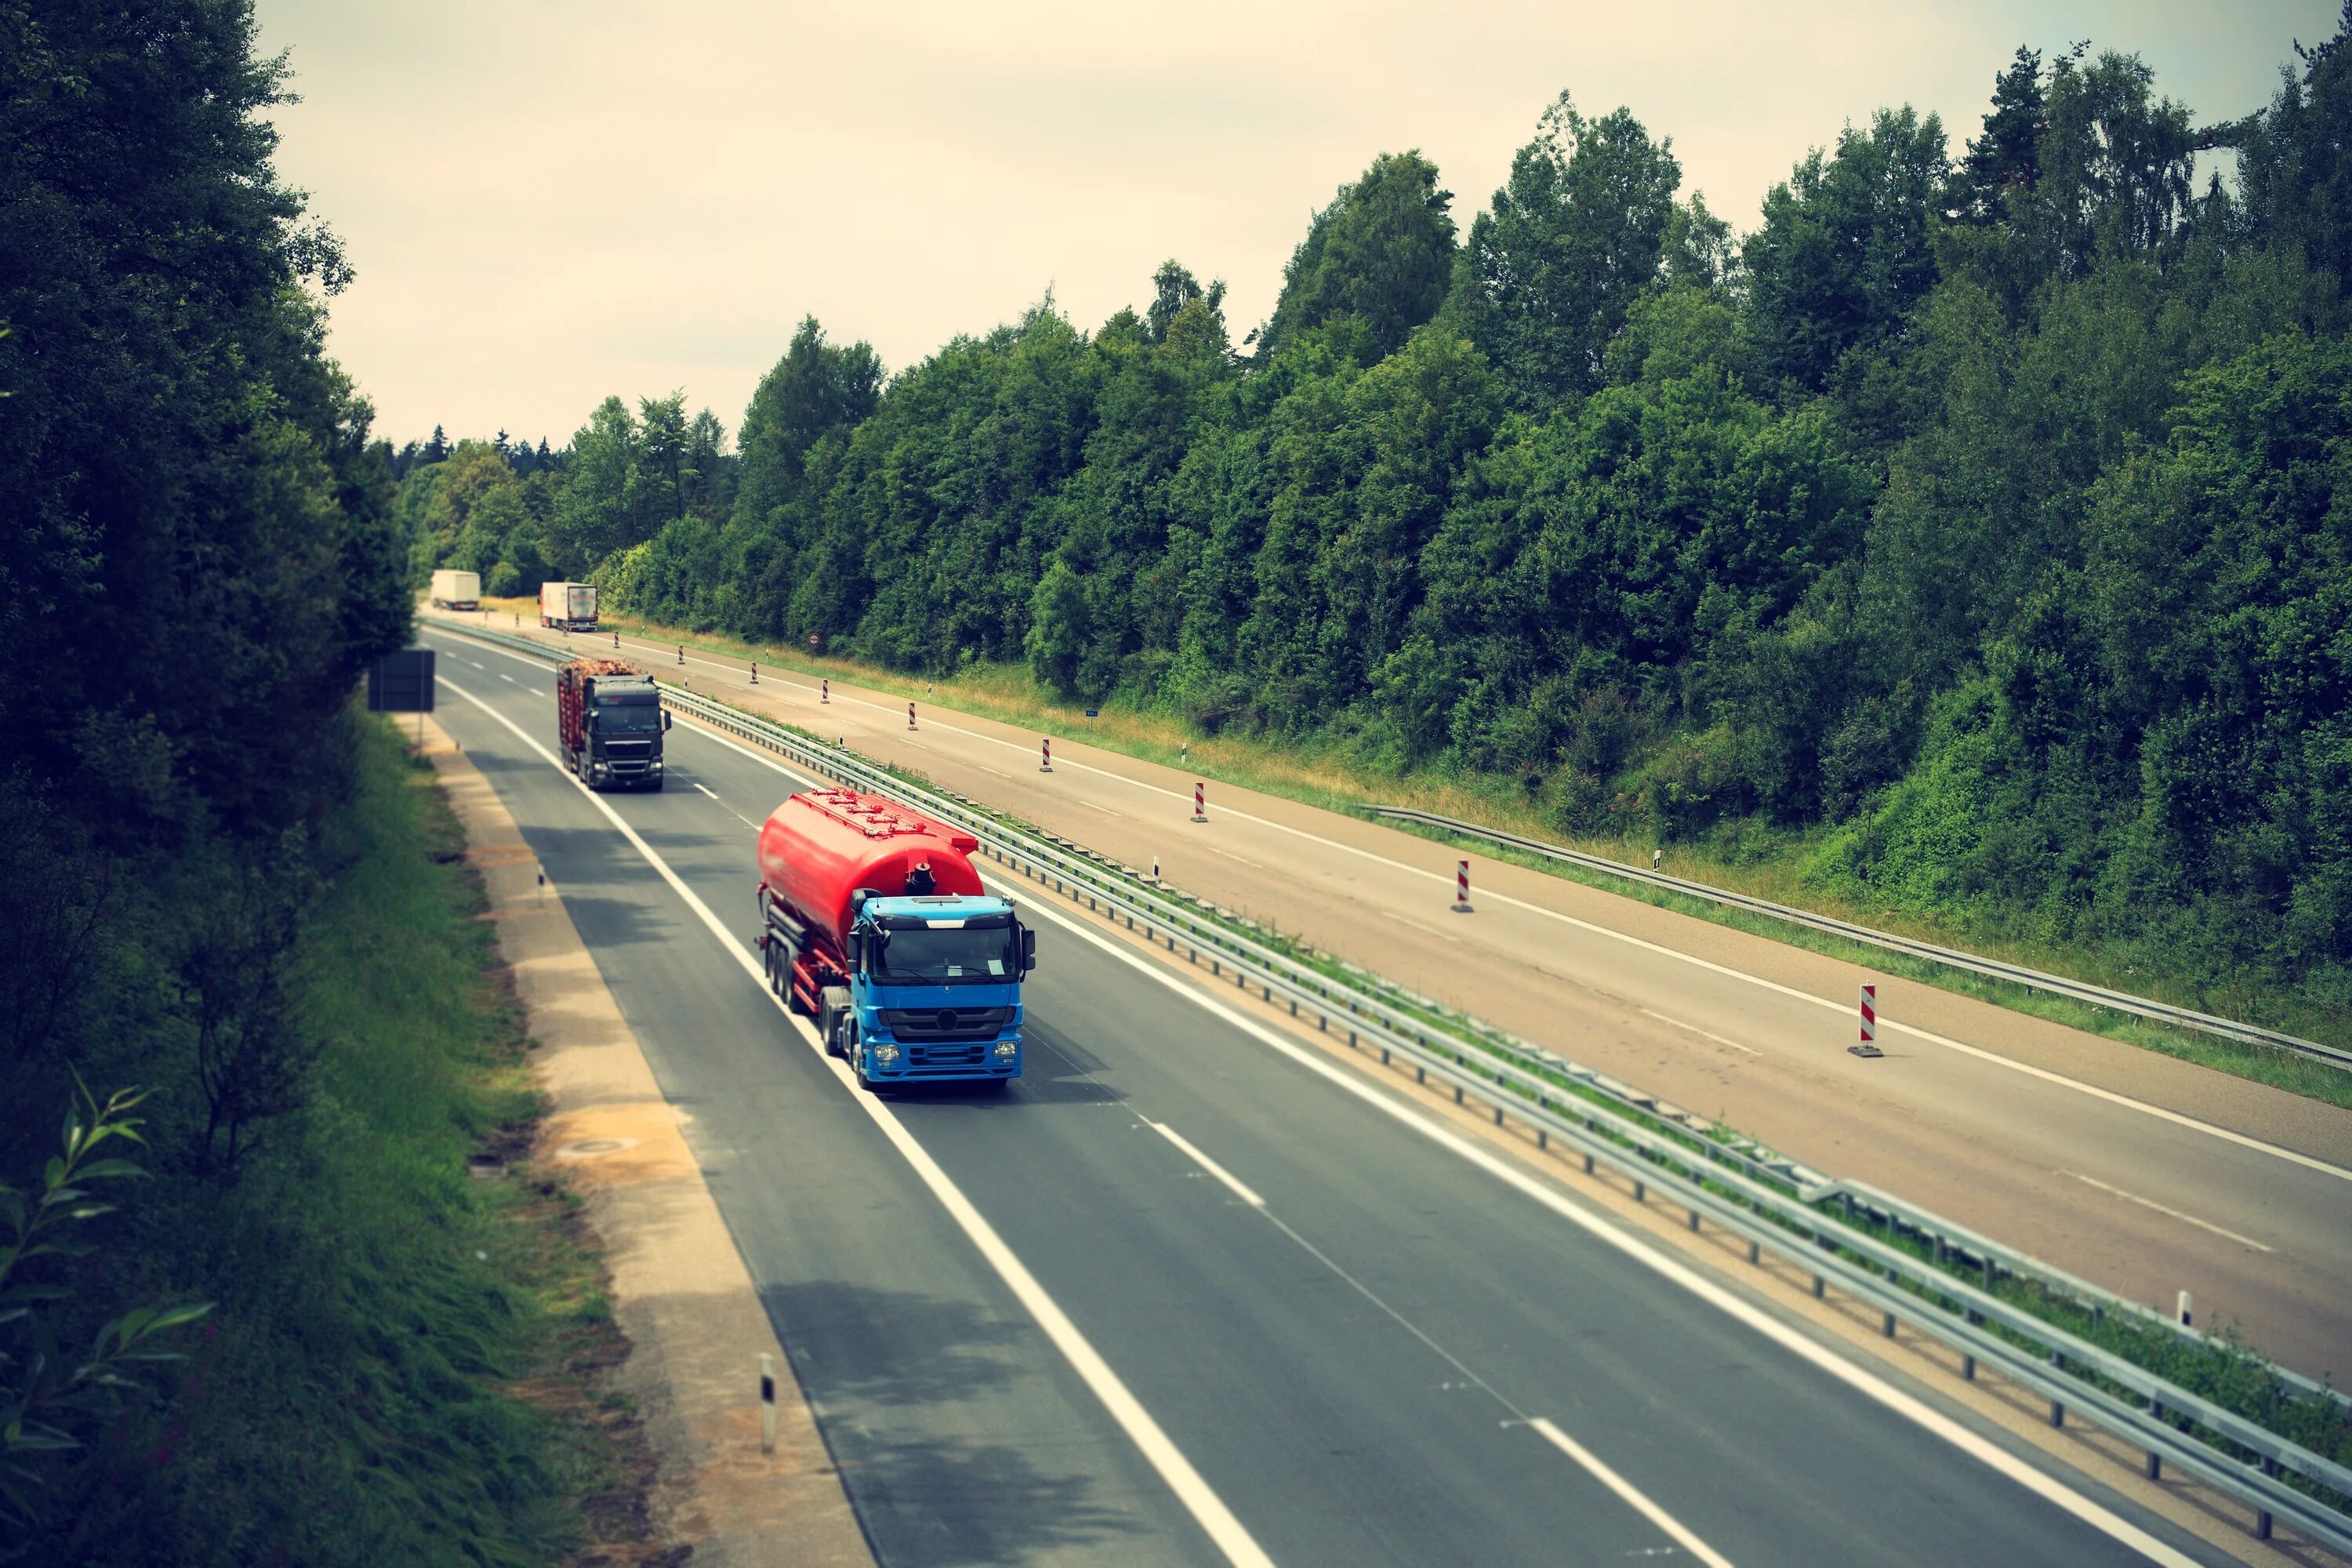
x: 2142, y: 1173
x: 1190, y: 1294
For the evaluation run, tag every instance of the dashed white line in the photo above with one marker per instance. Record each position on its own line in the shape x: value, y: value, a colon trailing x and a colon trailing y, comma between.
x: 1633, y: 1495
x: 1232, y: 1182
x: 705, y: 791
x: 1863, y: 1381
x: 1992, y: 1059
x: 1158, y: 1448
x: 509, y: 679
x: 2173, y: 1213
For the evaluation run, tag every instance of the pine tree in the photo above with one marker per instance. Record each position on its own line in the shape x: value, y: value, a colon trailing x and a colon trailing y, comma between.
x: 2008, y: 155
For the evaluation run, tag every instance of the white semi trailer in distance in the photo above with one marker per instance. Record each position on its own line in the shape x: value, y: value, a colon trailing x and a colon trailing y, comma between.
x: 567, y: 606
x: 457, y: 590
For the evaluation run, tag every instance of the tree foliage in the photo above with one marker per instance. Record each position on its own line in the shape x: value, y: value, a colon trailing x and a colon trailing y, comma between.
x: 1921, y: 520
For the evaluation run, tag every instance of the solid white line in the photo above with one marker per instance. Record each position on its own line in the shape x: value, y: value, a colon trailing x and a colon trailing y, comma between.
x: 1720, y: 969
x: 1205, y: 1507
x: 1231, y: 1182
x: 1999, y: 1459
x: 1249, y: 1196
x: 2175, y: 1214
x: 1704, y: 1034
x: 1993, y: 1057
x: 1855, y: 1376
x: 1631, y: 1493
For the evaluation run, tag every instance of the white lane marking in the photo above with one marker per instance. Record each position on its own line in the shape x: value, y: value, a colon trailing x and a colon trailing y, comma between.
x: 1863, y: 1381
x: 1631, y: 1493
x: 1704, y: 1034
x: 1231, y: 1182
x: 707, y: 792
x: 1623, y: 1489
x: 2175, y: 1214
x: 1994, y: 1058
x: 1206, y: 1508
x: 483, y: 667
x: 1414, y: 926
x: 509, y: 679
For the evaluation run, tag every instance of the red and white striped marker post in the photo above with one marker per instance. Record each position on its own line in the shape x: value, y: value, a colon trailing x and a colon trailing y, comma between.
x: 616, y: 639
x: 681, y: 653
x: 755, y: 672
x: 1462, y: 887
x: 1869, y: 1045
x: 910, y: 715
x: 1046, y: 743
x: 824, y: 690
x: 1200, y: 800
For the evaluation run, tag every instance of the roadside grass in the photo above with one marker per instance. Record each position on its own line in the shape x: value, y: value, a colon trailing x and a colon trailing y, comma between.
x: 406, y: 1365
x: 1762, y: 865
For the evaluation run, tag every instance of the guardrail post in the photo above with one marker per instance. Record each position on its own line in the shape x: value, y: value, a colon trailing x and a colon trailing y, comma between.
x: 2057, y: 1408
x: 2262, y: 1515
x: 2155, y: 1459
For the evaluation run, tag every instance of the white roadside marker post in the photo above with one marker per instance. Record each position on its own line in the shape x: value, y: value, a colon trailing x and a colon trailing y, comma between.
x: 767, y: 1403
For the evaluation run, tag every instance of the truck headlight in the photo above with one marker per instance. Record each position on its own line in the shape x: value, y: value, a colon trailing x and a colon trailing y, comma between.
x: 1007, y: 1049
x: 886, y: 1053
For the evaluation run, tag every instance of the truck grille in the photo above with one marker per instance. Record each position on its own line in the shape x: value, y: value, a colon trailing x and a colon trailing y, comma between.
x: 934, y: 1058
x: 914, y: 1024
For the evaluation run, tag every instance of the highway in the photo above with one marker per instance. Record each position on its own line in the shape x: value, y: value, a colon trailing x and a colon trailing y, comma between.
x: 1191, y: 1295
x: 2145, y: 1173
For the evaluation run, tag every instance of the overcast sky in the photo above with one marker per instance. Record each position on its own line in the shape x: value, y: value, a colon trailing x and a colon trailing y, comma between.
x: 547, y: 203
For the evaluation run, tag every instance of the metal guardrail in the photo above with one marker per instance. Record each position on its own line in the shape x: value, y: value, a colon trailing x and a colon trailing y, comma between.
x: 1999, y: 969
x: 1741, y: 1188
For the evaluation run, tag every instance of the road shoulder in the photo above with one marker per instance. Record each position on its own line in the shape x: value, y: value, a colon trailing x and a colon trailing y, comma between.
x: 679, y: 1289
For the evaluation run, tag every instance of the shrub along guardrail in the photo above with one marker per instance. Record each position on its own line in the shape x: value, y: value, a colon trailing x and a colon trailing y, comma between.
x: 1939, y: 1279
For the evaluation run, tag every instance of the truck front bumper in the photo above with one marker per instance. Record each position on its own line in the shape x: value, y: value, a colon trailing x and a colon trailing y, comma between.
x: 884, y: 1059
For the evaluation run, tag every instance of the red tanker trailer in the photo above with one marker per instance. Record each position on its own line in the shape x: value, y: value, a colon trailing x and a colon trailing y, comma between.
x: 873, y: 920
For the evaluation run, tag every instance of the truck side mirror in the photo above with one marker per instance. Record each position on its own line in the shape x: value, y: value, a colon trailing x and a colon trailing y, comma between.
x: 1028, y: 950
x: 665, y: 720
x: 856, y: 944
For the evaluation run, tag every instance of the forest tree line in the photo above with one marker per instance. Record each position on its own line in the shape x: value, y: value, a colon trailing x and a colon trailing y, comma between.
x: 1971, y: 518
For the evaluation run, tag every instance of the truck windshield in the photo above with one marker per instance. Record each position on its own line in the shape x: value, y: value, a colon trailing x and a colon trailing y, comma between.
x: 623, y: 718
x: 936, y: 957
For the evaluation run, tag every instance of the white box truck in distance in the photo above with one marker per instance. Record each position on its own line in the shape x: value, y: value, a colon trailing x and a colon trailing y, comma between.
x: 567, y: 606
x: 457, y: 590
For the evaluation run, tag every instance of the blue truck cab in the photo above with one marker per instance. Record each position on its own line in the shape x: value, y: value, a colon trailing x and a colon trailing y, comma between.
x: 934, y: 989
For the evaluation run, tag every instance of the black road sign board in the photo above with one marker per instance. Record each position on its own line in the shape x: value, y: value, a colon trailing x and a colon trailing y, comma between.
x: 402, y: 682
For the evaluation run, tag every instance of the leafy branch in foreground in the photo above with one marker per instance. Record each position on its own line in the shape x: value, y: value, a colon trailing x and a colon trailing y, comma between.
x: 49, y: 1398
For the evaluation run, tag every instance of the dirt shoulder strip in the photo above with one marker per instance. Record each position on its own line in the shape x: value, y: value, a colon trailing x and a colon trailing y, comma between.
x: 680, y: 1291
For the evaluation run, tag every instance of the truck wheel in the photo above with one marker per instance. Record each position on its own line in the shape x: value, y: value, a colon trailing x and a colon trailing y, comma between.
x: 655, y: 786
